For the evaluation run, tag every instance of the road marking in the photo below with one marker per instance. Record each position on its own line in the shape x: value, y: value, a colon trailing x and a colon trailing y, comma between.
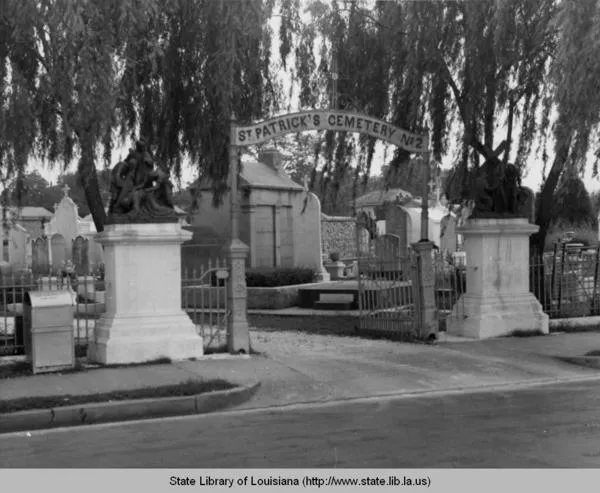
x: 299, y: 406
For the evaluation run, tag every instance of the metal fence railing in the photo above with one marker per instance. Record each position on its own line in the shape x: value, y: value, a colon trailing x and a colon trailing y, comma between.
x: 566, y: 280
x: 450, y: 284
x: 386, y: 295
x: 88, y: 297
x: 203, y: 298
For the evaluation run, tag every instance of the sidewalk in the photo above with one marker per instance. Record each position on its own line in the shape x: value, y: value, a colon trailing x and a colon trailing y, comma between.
x: 299, y: 368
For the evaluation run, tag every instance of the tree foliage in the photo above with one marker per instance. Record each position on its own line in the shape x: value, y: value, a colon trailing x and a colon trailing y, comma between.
x: 74, y: 73
x: 575, y: 70
x: 573, y: 204
x: 37, y: 192
x: 478, y: 67
x: 484, y: 78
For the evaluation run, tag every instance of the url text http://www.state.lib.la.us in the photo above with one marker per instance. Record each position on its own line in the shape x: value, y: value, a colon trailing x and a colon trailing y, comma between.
x: 304, y: 481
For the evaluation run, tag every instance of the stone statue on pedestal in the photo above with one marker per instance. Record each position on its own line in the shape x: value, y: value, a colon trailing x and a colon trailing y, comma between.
x: 497, y: 191
x: 140, y: 192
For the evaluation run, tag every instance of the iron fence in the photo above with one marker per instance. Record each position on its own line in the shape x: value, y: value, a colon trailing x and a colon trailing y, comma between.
x: 387, y: 300
x: 450, y: 285
x: 203, y: 298
x: 88, y: 306
x: 565, y: 280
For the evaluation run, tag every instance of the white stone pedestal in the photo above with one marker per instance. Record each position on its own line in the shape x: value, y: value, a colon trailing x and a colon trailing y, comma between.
x: 497, y: 301
x: 143, y: 319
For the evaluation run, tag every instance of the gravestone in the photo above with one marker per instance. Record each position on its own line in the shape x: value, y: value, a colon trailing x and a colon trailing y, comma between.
x: 398, y: 223
x: 87, y: 229
x: 389, y: 255
x: 388, y: 248
x: 65, y: 221
x: 58, y: 251
x: 80, y: 255
x: 40, y: 264
x: 307, y: 235
x: 365, y: 234
x: 448, y: 236
x: 19, y: 240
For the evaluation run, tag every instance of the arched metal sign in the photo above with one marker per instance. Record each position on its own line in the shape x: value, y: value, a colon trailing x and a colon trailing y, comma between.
x: 273, y: 128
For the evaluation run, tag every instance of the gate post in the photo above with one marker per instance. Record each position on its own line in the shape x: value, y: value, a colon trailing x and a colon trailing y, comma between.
x: 428, y: 319
x: 238, y: 335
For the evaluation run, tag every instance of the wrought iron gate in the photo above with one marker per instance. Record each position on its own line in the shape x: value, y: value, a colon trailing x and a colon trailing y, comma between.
x: 204, y: 298
x: 388, y: 284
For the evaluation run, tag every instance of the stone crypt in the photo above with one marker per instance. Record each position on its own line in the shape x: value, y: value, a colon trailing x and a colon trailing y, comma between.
x: 497, y: 301
x: 143, y: 319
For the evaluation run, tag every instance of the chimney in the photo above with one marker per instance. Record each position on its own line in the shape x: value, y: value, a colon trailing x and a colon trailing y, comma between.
x: 273, y: 158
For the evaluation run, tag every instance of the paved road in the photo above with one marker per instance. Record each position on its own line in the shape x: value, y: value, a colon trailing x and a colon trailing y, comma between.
x: 556, y: 426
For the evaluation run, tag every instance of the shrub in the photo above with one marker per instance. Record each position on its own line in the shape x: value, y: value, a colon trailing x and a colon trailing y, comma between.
x: 334, y: 256
x: 581, y: 234
x: 573, y: 211
x: 573, y: 205
x: 267, y: 278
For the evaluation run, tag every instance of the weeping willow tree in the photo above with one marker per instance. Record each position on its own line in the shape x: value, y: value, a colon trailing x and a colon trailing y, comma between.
x: 493, y: 81
x: 475, y: 74
x: 575, y: 72
x: 59, y: 83
x: 481, y: 76
x: 213, y: 63
x: 345, y: 40
x: 74, y: 75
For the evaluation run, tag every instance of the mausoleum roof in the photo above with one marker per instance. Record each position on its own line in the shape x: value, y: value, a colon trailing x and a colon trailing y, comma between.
x: 30, y: 212
x: 255, y: 174
x: 380, y: 197
x: 259, y: 175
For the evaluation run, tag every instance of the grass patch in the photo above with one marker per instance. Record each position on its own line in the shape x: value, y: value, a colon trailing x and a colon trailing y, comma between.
x: 157, y: 361
x: 189, y: 387
x: 222, y: 349
x: 18, y: 369
x: 595, y: 352
x: 525, y: 333
x: 23, y: 369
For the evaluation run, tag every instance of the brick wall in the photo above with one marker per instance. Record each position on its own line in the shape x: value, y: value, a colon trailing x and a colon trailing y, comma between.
x: 338, y: 234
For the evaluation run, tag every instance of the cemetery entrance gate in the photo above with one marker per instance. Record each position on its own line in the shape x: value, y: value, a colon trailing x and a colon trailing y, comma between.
x: 389, y: 287
x: 395, y: 293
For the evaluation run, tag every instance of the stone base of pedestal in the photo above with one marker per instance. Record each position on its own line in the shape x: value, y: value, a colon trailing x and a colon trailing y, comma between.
x: 481, y: 318
x: 145, y: 338
x: 143, y: 319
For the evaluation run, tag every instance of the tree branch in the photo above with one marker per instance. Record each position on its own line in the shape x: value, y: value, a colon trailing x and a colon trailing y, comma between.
x: 450, y: 81
x: 511, y: 113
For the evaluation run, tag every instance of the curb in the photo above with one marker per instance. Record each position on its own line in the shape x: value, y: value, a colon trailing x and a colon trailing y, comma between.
x: 105, y: 412
x: 508, y: 386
